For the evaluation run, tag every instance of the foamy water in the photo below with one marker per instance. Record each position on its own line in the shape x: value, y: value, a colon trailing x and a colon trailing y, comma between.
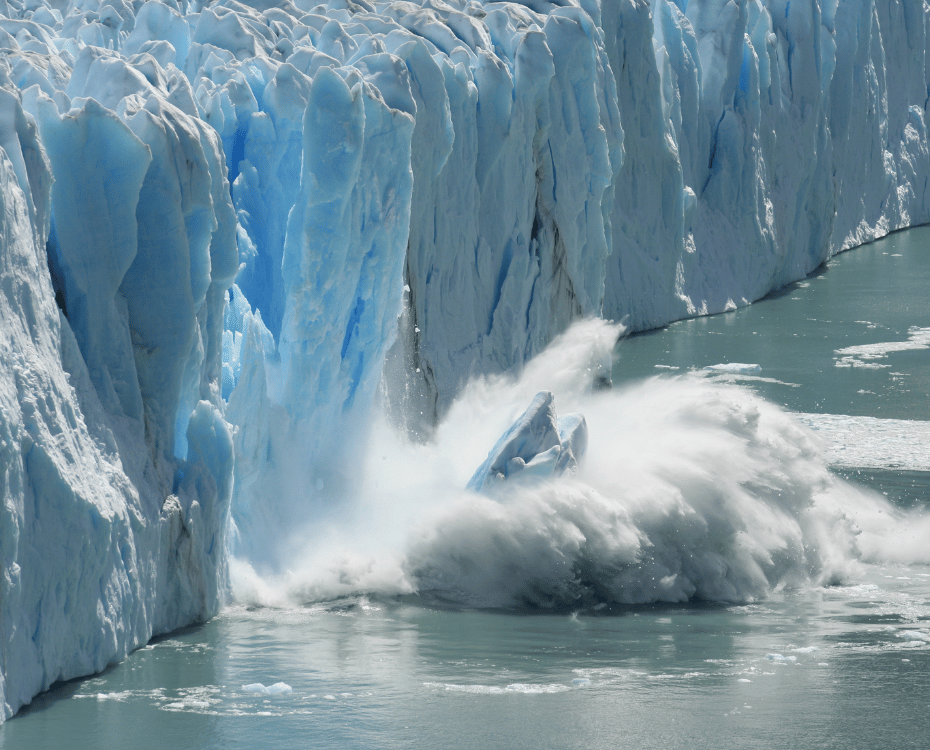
x: 690, y: 489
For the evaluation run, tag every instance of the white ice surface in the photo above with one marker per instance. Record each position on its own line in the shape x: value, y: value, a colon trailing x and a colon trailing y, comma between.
x: 278, y: 688
x: 115, y: 460
x: 865, y: 355
x: 869, y: 442
x: 734, y: 367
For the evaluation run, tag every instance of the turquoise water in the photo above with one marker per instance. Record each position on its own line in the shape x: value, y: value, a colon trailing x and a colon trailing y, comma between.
x: 370, y: 675
x: 842, y: 666
x: 874, y: 297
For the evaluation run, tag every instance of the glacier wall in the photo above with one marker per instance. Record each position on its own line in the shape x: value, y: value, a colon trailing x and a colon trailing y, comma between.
x: 227, y: 225
x: 117, y: 245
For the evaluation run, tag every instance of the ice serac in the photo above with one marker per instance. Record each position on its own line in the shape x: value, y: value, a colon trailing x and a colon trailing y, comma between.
x: 657, y: 159
x: 116, y: 462
x: 227, y: 225
x: 342, y: 284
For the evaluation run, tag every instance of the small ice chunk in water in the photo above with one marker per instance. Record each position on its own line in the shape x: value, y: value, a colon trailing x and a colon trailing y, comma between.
x: 915, y: 635
x: 279, y: 688
x: 780, y: 657
x: 734, y: 367
x: 581, y: 682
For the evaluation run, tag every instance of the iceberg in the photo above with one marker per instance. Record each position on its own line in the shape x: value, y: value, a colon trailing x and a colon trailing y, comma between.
x: 230, y: 227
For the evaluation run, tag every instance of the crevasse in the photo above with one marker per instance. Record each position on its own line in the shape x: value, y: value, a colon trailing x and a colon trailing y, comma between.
x: 226, y: 225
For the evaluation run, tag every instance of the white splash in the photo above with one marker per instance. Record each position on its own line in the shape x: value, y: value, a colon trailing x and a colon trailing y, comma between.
x: 690, y: 489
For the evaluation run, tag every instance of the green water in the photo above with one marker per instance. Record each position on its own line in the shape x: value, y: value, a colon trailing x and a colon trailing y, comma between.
x: 370, y: 675
x: 839, y: 667
x: 875, y: 295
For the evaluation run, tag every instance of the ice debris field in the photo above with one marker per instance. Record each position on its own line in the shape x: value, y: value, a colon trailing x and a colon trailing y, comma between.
x: 226, y: 227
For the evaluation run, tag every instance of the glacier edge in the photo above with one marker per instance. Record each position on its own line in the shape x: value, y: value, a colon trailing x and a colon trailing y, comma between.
x: 225, y: 225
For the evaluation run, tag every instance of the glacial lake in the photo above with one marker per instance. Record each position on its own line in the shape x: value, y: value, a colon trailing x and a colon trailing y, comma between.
x: 842, y: 666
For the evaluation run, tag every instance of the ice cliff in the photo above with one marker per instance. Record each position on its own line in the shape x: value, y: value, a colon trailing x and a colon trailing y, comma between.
x: 226, y: 225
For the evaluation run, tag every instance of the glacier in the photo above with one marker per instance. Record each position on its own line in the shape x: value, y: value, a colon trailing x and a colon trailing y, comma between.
x: 230, y: 228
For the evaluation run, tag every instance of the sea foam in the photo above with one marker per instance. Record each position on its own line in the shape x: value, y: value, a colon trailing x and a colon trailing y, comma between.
x: 690, y: 490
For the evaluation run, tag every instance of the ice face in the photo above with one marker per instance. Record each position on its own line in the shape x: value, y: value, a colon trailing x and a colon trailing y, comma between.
x: 117, y: 462
x: 406, y: 195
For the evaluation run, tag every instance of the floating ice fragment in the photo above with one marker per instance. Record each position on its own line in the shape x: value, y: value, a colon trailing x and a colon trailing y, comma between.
x: 869, y: 442
x: 517, y: 687
x: 734, y: 367
x: 780, y: 657
x: 915, y: 635
x: 860, y: 356
x: 113, y: 696
x: 279, y: 688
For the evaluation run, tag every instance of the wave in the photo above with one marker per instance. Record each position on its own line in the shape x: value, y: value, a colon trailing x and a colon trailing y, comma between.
x: 690, y: 490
